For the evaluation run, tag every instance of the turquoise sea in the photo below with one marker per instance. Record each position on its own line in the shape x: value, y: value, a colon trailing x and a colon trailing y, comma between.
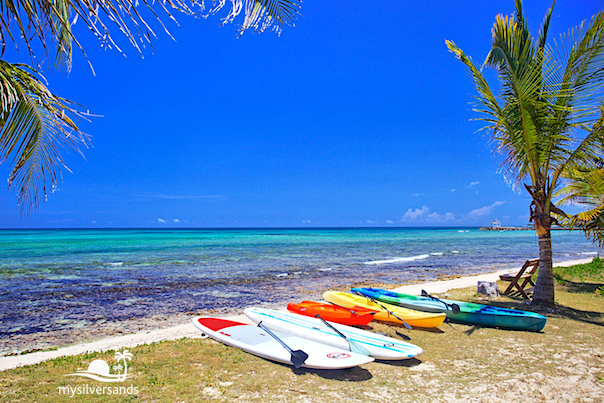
x: 54, y: 279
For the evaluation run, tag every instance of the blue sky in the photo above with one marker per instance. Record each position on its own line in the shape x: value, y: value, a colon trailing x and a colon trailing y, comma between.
x: 357, y: 116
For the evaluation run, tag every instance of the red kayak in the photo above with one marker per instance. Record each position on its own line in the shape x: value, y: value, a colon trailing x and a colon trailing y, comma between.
x: 334, y: 313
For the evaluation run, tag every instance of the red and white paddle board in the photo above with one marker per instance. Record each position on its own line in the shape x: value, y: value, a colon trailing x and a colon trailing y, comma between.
x: 257, y: 341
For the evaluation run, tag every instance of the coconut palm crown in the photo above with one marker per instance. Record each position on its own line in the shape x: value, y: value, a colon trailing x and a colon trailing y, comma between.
x: 545, y: 122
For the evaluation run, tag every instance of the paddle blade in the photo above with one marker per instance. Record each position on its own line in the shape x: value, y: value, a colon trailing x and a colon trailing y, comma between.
x: 408, y: 326
x: 455, y: 309
x: 425, y: 294
x: 357, y: 348
x: 298, y: 358
x: 352, y: 345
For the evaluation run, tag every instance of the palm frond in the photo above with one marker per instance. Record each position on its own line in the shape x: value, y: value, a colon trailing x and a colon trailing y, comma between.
x: 260, y: 15
x: 37, y: 127
x: 49, y: 22
x: 519, y: 66
x: 543, y: 31
x: 586, y: 188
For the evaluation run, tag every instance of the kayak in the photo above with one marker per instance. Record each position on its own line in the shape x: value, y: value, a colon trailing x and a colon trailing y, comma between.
x: 412, y: 317
x: 333, y: 313
x: 257, y: 341
x: 470, y: 313
x: 349, y: 338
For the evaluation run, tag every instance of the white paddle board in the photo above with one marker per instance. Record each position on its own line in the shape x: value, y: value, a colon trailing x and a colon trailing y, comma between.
x: 257, y: 341
x: 380, y: 347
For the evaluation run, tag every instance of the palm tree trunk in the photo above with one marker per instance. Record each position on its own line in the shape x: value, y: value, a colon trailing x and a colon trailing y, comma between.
x: 544, y: 290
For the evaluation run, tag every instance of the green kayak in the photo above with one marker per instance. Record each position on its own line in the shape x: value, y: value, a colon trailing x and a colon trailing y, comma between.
x: 459, y: 311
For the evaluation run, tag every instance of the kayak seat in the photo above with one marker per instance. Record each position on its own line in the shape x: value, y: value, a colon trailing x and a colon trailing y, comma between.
x: 521, y: 279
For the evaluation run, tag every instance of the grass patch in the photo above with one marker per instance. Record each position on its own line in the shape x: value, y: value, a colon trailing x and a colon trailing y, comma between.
x: 565, y: 362
x: 592, y: 272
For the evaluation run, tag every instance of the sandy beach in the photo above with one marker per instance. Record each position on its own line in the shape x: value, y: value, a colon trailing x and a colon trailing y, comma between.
x: 187, y: 330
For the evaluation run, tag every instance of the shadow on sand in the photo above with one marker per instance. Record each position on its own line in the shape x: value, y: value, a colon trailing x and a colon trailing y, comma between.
x: 594, y: 318
x: 401, y: 326
x: 355, y: 374
x: 588, y: 288
x: 411, y: 362
x: 560, y: 311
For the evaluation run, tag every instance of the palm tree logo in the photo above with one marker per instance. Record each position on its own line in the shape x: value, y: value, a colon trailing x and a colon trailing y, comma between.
x: 125, y: 356
x: 99, y: 369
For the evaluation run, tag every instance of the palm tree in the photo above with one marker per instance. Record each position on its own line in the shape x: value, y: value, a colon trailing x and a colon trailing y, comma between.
x: 37, y: 126
x: 546, y: 122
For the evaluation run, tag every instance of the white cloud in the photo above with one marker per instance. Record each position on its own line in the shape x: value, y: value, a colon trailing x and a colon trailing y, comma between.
x: 307, y: 221
x: 483, y: 211
x: 390, y: 222
x: 176, y: 220
x: 440, y: 218
x: 433, y: 216
x: 415, y: 215
x: 426, y: 215
x: 370, y: 222
x: 473, y: 184
x: 161, y: 220
x: 416, y: 194
x: 452, y: 190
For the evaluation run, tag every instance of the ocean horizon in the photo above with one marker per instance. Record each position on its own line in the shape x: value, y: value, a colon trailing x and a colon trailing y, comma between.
x: 70, y: 281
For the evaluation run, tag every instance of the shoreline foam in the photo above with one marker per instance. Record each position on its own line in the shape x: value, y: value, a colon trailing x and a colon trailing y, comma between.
x: 189, y: 331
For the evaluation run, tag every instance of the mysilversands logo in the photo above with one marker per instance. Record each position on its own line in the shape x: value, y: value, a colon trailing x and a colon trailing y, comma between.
x: 99, y: 370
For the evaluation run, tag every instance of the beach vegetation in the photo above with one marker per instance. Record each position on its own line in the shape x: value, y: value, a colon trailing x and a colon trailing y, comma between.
x: 546, y: 123
x: 592, y: 272
x: 38, y: 127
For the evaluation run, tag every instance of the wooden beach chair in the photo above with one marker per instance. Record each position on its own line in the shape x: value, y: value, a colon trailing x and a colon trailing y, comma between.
x: 525, y: 274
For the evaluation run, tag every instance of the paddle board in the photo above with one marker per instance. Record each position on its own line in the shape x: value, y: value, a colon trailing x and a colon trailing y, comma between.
x: 257, y: 341
x: 380, y: 347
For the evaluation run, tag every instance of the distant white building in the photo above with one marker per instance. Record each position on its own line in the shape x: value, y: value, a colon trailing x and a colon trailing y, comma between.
x: 496, y: 223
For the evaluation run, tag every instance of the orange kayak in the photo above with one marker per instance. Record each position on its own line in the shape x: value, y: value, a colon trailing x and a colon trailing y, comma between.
x: 333, y: 313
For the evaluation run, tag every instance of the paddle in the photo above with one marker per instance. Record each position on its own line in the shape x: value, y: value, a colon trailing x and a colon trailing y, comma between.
x: 298, y: 356
x: 354, y: 346
x: 408, y: 326
x: 454, y: 307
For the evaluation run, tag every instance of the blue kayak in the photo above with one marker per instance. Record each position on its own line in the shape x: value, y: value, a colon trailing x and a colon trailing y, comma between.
x: 469, y: 312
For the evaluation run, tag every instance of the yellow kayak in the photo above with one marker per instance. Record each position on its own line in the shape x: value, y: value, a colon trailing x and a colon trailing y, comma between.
x: 413, y: 318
